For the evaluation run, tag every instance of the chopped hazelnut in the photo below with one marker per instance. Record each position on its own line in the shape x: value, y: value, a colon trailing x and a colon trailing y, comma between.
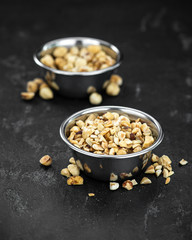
x: 46, y: 160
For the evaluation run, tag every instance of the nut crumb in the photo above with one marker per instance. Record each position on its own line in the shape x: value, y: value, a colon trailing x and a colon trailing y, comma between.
x: 183, y: 162
x: 91, y: 194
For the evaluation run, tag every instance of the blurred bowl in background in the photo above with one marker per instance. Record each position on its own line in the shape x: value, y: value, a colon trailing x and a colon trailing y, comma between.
x: 75, y: 84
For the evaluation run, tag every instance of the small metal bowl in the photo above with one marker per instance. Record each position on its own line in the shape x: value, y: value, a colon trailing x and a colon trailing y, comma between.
x: 106, y: 167
x: 75, y: 84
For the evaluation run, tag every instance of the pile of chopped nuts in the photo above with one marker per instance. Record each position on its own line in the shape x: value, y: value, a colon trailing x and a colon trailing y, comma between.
x: 36, y: 85
x: 111, y: 134
x: 160, y: 165
x: 111, y: 86
x: 74, y: 59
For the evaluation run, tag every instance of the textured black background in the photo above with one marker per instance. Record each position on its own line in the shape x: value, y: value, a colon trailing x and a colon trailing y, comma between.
x: 36, y: 203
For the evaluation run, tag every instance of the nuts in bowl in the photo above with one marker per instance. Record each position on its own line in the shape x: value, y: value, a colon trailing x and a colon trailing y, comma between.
x: 111, y: 140
x: 78, y: 59
x: 111, y: 133
x: 78, y: 63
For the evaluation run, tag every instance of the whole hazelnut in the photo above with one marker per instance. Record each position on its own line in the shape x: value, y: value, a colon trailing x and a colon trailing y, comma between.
x: 113, y: 89
x: 95, y: 98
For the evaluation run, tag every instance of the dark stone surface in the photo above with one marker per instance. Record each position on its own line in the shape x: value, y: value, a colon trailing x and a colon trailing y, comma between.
x: 35, y: 202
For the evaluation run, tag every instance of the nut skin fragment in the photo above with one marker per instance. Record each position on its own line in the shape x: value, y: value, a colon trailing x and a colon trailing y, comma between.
x: 150, y: 170
x: 73, y: 169
x: 167, y: 181
x: 75, y: 180
x: 27, y: 95
x: 46, y: 93
x: 183, y: 162
x: 46, y: 160
x: 65, y: 172
x: 113, y: 89
x: 145, y: 180
x: 87, y: 168
x: 127, y: 185
x: 95, y: 98
x: 113, y: 186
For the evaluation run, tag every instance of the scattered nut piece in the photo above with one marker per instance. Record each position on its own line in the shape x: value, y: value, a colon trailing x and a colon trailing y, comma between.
x: 91, y: 89
x: 183, y: 162
x: 154, y: 158
x: 145, y: 180
x: 91, y: 194
x: 65, y: 172
x: 87, y: 168
x: 105, y: 84
x: 165, y: 173
x: 150, y: 170
x: 73, y: 169
x: 158, y: 172
x: 158, y: 167
x: 113, y: 177
x: 134, y: 182
x: 46, y: 160
x: 170, y: 173
x: 127, y: 185
x: 72, y: 160
x: 78, y: 162
x: 113, y: 89
x: 95, y: 98
x: 167, y: 180
x: 32, y: 86
x: 113, y: 186
x: 116, y: 79
x: 27, y: 95
x: 46, y: 93
x: 75, y: 180
x: 38, y: 81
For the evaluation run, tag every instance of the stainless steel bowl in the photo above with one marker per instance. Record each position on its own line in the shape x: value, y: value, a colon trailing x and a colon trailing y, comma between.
x: 103, y: 167
x: 75, y: 84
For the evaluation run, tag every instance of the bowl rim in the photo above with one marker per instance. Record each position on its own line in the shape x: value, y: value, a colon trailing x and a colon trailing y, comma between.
x: 106, y: 108
x: 91, y: 73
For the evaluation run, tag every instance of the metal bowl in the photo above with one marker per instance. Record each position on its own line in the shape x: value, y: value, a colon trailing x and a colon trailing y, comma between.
x: 104, y: 167
x: 75, y: 84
